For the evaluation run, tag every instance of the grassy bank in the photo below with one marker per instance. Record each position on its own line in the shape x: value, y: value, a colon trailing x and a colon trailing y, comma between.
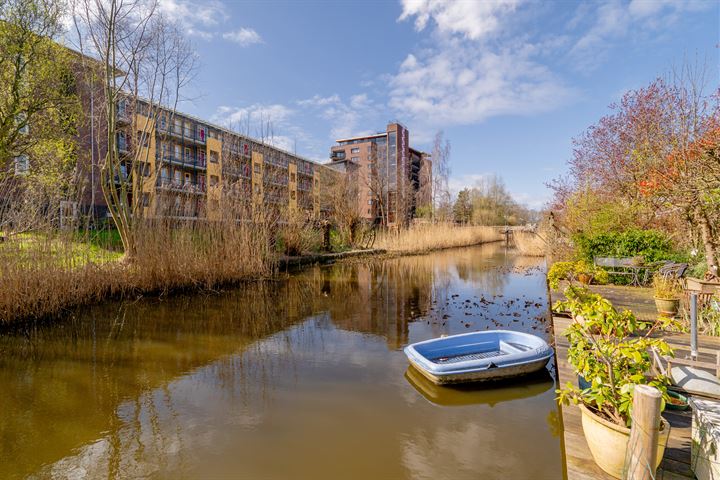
x: 425, y: 238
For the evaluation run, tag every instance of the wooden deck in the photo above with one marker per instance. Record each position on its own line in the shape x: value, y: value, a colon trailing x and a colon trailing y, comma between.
x: 579, y: 462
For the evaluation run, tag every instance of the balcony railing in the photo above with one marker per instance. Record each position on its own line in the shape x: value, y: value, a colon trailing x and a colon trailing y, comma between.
x: 189, y: 161
x: 183, y: 133
x: 275, y: 162
x: 238, y: 171
x: 181, y: 187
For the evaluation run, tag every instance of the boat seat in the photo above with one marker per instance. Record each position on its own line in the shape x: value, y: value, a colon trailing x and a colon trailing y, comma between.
x: 509, y: 347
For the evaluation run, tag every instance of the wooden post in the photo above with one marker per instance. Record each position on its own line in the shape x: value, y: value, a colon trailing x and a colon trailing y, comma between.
x: 644, y: 433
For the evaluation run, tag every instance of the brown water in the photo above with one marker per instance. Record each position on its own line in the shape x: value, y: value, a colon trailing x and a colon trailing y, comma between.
x: 302, y: 378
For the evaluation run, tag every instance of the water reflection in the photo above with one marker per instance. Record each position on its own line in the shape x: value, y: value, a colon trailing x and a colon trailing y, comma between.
x: 299, y: 378
x: 477, y: 393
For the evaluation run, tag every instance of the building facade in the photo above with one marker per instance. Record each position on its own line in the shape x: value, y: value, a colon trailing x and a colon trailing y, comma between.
x: 393, y: 178
x: 188, y: 169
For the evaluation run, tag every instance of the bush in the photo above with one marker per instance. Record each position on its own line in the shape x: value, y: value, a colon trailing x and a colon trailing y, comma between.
x: 610, y: 349
x: 652, y: 245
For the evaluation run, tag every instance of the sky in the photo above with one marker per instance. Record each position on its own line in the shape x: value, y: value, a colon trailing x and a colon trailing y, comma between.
x: 509, y: 82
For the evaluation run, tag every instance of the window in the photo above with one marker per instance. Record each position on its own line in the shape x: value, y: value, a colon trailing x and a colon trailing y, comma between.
x: 213, y: 156
x: 122, y: 141
x: 22, y: 165
x: 188, y: 155
x: 355, y: 150
x: 145, y: 169
x: 122, y: 108
x: 257, y: 188
x: 165, y: 173
x: 355, y: 159
x: 256, y: 167
x: 370, y: 202
x: 292, y: 194
x: 369, y: 148
x: 21, y: 120
x: 145, y: 199
x: 292, y: 177
x: 214, y: 180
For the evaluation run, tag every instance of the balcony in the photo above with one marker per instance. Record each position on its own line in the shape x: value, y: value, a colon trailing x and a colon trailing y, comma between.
x: 123, y: 147
x: 242, y: 171
x: 192, y: 188
x: 277, y: 182
x: 186, y: 161
x: 186, y: 135
x: 122, y: 116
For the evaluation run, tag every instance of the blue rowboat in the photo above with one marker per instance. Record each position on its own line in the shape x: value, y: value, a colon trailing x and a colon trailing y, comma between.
x: 479, y: 356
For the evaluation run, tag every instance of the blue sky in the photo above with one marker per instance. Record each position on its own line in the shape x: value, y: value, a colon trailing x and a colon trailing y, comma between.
x: 509, y: 82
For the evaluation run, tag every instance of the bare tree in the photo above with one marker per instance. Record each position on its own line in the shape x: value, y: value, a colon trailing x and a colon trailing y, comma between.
x: 142, y: 62
x: 441, y: 197
x: 343, y: 195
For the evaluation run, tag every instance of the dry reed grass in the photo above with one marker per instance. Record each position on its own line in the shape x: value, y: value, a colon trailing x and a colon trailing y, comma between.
x: 427, y: 237
x: 529, y: 243
x: 53, y: 272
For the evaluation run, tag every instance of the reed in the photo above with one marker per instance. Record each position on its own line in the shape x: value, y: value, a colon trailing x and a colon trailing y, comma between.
x: 529, y: 243
x: 427, y: 237
x: 46, y: 273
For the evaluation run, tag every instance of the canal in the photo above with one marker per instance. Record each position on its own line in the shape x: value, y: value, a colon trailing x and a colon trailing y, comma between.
x: 299, y: 378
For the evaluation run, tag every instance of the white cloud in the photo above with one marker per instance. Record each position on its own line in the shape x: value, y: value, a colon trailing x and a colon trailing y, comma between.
x: 460, y: 82
x: 198, y: 18
x: 609, y: 23
x: 252, y: 119
x: 243, y: 37
x: 459, y: 182
x: 474, y: 19
x: 356, y: 117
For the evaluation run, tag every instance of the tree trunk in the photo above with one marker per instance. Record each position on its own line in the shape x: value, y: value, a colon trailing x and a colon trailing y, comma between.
x: 707, y: 239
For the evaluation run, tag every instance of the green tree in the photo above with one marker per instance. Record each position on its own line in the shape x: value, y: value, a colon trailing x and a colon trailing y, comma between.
x: 463, y: 208
x: 39, y: 114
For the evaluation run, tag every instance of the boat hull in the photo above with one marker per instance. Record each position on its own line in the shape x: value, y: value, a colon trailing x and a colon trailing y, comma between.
x: 484, y: 375
x: 479, y: 357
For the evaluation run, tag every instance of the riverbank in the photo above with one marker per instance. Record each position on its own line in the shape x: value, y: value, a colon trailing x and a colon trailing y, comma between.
x: 46, y: 277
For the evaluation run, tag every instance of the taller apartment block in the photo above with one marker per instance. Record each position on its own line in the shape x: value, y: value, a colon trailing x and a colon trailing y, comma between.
x: 393, y: 178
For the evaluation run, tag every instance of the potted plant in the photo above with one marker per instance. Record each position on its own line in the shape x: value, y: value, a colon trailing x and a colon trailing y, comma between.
x: 667, y: 295
x: 582, y: 271
x: 611, y: 355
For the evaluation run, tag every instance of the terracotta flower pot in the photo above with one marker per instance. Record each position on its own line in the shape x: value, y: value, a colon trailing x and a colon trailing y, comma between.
x: 585, y: 278
x: 667, y: 307
x: 609, y: 442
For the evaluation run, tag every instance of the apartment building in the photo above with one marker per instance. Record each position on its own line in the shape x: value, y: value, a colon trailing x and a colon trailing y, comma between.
x: 393, y: 178
x: 189, y: 169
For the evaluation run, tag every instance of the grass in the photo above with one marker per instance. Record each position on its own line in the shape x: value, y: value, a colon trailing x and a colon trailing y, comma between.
x: 428, y: 237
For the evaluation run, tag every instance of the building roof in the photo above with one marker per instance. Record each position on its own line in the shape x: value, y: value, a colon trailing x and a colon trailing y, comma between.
x: 361, y: 137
